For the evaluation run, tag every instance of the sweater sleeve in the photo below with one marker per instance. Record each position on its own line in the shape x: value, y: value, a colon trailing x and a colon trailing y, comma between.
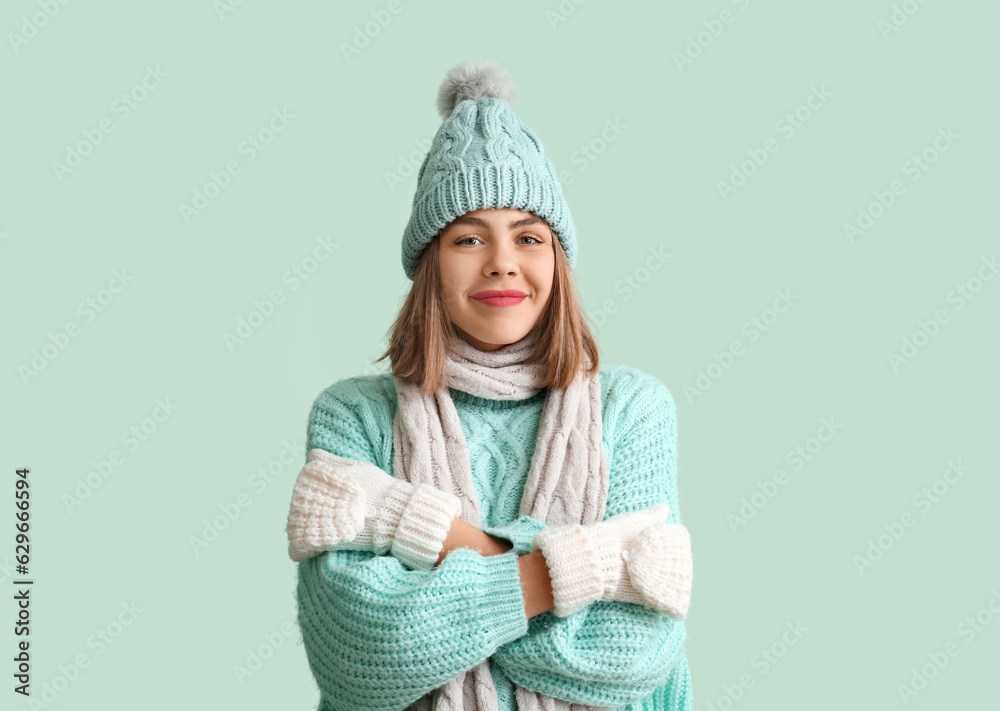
x: 378, y: 635
x: 612, y: 653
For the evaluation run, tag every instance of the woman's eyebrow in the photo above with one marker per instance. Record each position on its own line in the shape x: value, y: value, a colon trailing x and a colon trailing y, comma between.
x: 478, y: 222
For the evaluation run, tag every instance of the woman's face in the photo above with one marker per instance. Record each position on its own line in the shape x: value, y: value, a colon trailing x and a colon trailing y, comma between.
x: 493, y: 250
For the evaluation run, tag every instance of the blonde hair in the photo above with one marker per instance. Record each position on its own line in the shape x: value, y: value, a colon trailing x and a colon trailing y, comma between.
x: 423, y: 333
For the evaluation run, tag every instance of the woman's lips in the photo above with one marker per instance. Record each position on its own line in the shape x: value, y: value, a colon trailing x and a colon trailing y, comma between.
x: 504, y: 297
x: 502, y: 300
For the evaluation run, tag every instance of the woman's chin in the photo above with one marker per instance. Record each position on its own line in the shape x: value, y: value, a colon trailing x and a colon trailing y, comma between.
x: 493, y: 339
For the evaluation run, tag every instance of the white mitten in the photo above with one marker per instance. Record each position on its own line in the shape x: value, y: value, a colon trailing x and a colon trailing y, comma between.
x: 341, y: 503
x: 660, y: 568
x: 589, y: 562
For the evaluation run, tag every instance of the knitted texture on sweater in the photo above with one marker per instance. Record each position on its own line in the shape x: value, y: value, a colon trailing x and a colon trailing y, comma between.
x: 379, y: 635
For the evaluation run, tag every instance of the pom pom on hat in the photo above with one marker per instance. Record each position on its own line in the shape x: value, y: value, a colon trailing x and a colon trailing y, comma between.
x: 476, y: 79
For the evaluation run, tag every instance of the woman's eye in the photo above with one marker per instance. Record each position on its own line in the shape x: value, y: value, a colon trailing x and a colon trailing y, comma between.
x: 465, y: 240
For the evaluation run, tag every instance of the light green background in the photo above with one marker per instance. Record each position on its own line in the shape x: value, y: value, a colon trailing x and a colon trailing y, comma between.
x: 653, y: 187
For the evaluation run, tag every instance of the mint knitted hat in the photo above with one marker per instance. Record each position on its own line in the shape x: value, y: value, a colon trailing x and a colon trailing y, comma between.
x: 483, y: 156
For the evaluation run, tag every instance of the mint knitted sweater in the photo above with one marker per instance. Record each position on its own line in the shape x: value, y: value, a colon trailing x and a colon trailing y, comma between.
x: 379, y: 635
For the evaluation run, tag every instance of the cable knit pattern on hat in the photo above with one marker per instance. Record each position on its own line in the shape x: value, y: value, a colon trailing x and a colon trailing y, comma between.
x: 379, y: 635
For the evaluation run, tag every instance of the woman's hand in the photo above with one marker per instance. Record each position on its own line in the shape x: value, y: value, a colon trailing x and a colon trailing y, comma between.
x: 340, y: 503
x: 633, y: 557
x: 660, y: 570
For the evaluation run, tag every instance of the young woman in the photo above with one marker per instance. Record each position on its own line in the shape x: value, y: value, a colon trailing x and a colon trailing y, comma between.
x: 495, y: 524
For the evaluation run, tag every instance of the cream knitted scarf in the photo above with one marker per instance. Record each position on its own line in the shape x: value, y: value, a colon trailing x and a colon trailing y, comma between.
x: 567, y: 482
